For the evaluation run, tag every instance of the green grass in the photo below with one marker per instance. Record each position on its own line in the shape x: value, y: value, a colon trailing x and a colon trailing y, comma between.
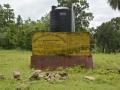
x: 11, y: 60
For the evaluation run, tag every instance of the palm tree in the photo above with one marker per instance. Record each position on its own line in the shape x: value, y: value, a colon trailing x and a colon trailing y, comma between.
x: 115, y: 4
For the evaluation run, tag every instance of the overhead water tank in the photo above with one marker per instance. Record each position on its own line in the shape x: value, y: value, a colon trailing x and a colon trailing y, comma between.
x: 61, y: 19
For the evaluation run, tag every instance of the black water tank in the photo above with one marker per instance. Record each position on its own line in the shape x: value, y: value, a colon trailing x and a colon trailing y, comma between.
x: 60, y: 19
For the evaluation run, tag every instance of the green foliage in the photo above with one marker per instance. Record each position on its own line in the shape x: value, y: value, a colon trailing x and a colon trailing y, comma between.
x: 6, y: 15
x: 108, y: 36
x: 82, y: 16
x: 18, y: 34
x: 46, y: 21
x: 115, y: 4
x: 19, y: 20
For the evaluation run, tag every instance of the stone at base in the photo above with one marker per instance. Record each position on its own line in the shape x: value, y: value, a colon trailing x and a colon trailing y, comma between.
x: 43, y: 62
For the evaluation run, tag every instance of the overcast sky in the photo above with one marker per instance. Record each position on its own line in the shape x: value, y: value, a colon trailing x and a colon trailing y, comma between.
x: 35, y: 9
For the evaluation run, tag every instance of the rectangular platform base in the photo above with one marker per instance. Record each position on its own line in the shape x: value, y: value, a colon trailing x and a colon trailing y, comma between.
x: 42, y: 62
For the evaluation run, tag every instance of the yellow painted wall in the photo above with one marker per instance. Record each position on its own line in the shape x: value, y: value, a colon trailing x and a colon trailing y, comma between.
x: 61, y: 43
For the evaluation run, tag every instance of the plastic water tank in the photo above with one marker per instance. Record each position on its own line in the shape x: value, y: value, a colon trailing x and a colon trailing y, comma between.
x: 61, y: 19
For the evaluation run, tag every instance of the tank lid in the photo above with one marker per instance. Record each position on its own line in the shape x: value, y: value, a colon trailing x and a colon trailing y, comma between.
x: 62, y: 8
x: 53, y: 7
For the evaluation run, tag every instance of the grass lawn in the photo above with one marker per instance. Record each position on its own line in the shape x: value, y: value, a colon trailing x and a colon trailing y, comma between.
x: 11, y: 60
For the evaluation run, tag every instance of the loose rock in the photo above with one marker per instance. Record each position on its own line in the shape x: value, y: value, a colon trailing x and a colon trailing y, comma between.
x: 35, y: 75
x: 63, y: 75
x: 49, y: 76
x: 90, y: 78
x: 2, y: 77
x: 58, y: 76
x: 16, y: 75
x: 118, y: 69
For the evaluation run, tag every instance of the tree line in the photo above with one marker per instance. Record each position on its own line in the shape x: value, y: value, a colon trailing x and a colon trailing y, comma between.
x: 16, y: 32
x: 107, y: 36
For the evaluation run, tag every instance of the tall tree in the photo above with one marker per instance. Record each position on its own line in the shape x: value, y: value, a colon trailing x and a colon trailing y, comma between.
x: 2, y: 17
x: 19, y: 20
x: 108, y: 36
x: 115, y: 4
x: 8, y: 14
x: 82, y: 17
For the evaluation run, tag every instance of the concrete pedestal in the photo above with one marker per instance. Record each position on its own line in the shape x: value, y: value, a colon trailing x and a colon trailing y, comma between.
x: 42, y: 62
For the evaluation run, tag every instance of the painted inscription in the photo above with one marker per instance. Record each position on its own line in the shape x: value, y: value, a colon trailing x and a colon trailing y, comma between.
x: 60, y: 43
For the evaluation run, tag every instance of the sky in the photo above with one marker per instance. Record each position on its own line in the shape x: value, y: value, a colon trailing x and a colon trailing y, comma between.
x: 35, y: 9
